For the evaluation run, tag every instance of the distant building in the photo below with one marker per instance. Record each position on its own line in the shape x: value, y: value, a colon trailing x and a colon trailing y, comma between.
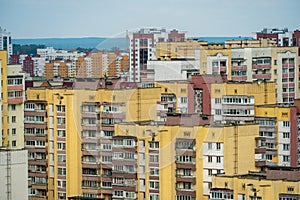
x: 28, y: 65
x: 142, y: 47
x: 5, y: 42
x: 282, y: 36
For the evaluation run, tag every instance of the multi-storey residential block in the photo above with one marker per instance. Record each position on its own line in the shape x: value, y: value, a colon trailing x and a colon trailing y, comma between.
x: 176, y: 96
x: 274, y: 183
x: 50, y: 53
x: 234, y: 102
x: 37, y: 138
x: 78, y: 131
x: 282, y: 37
x: 5, y: 42
x: 28, y: 65
x: 39, y: 66
x: 15, y: 105
x: 142, y: 47
x: 4, y: 102
x: 186, y: 156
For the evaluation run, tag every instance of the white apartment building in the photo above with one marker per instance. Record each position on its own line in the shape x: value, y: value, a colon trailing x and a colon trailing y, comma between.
x: 39, y: 66
x: 5, y: 42
x: 49, y: 53
x: 142, y: 48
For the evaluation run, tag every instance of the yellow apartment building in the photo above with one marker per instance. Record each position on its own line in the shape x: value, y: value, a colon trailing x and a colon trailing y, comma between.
x: 177, y: 162
x: 68, y: 125
x: 255, y: 186
x: 4, y: 103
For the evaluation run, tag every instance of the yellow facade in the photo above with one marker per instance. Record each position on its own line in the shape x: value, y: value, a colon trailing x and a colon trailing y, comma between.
x: 5, y: 136
x: 265, y: 189
x: 239, y: 144
x: 172, y: 50
x: 140, y: 105
x: 264, y: 93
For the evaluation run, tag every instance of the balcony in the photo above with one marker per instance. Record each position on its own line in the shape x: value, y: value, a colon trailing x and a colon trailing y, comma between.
x: 266, y: 66
x: 262, y: 163
x: 288, y: 65
x: 191, y: 166
x: 239, y: 78
x: 288, y: 94
x: 223, y: 69
x: 182, y: 178
x: 239, y: 68
x: 288, y: 75
x: 261, y: 76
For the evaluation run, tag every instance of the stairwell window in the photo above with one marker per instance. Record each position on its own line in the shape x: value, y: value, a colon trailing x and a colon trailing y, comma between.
x: 286, y: 124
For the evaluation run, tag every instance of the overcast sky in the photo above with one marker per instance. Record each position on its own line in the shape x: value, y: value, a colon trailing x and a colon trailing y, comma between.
x: 110, y: 18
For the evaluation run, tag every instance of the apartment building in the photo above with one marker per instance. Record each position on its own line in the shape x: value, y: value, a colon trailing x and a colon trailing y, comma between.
x: 234, y: 102
x: 282, y: 37
x: 15, y: 105
x: 5, y: 42
x: 142, y: 47
x: 76, y: 128
x: 4, y: 100
x: 184, y: 156
x: 274, y: 183
x: 176, y: 97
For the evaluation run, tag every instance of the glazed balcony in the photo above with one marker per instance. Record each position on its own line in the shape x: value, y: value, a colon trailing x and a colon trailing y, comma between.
x: 285, y: 85
x: 239, y: 68
x: 266, y: 66
x: 288, y: 65
x: 239, y: 78
x: 288, y: 75
x: 261, y: 76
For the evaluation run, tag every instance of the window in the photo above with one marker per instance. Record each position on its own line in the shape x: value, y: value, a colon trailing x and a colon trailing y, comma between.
x: 39, y: 118
x: 218, y: 146
x: 286, y: 124
x: 153, y: 158
x: 217, y: 100
x: 218, y: 159
x: 183, y: 99
x: 61, y: 146
x: 209, y: 172
x: 286, y: 135
x: 14, y: 143
x: 286, y: 147
x: 61, y: 171
x: 130, y: 194
x: 154, y: 171
x: 118, y: 193
x: 154, y: 185
x: 61, y: 108
x: 61, y: 158
x: 209, y: 145
x: 40, y: 143
x: 286, y: 158
x: 218, y: 112
x: 154, y: 196
x: 13, y: 119
x: 61, y: 133
x: 13, y: 107
x: 153, y: 145
x: 210, y: 159
x: 61, y: 120
x: 13, y: 131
